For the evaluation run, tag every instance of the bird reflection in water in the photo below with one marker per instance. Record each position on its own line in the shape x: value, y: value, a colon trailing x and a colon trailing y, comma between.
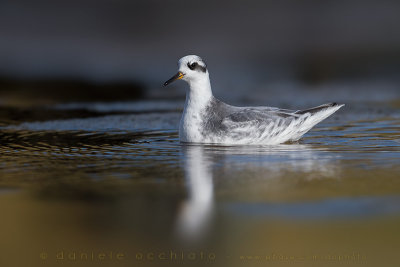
x: 196, y: 212
x: 263, y: 163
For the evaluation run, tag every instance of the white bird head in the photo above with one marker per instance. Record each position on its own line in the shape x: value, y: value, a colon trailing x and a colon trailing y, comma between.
x: 192, y: 69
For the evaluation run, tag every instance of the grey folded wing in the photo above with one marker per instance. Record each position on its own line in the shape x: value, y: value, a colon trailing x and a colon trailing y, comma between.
x: 258, y: 117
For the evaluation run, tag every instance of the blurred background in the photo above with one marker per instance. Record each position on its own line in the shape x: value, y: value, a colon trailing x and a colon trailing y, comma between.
x: 120, y: 49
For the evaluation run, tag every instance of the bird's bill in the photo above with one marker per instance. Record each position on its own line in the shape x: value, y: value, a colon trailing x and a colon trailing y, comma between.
x: 177, y: 76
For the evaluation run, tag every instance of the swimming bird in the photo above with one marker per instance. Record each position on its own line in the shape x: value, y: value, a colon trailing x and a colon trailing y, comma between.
x: 206, y: 119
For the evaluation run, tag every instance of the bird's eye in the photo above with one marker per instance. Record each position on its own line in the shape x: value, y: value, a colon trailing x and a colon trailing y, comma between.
x: 192, y: 66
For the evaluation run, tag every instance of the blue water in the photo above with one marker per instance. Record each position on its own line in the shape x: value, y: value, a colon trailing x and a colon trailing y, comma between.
x: 121, y: 180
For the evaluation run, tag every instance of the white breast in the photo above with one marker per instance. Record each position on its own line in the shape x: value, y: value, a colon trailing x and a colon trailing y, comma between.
x: 190, y: 127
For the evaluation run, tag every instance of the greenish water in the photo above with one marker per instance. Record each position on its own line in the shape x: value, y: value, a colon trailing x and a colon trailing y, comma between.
x: 121, y: 183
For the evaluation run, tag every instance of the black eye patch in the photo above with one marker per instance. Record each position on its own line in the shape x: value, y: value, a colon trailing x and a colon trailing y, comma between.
x: 196, y: 66
x: 192, y: 66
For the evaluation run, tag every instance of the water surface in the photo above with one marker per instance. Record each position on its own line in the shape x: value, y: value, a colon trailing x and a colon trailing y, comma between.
x: 120, y: 182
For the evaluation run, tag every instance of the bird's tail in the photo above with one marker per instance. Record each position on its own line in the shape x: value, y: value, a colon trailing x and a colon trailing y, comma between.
x: 315, y: 116
x: 319, y: 108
